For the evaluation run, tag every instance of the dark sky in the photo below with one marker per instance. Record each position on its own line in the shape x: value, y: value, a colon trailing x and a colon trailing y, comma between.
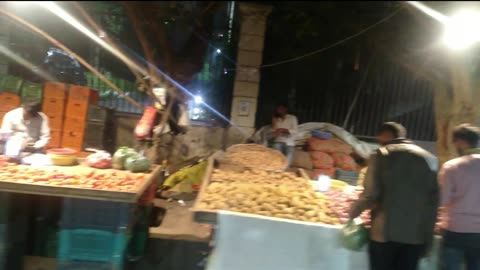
x: 322, y: 87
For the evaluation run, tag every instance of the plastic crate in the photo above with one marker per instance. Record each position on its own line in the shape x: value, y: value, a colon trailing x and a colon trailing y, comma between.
x: 77, y: 108
x: 32, y: 91
x: 11, y: 84
x: 87, y: 265
x: 348, y: 177
x: 92, y: 245
x: 94, y: 135
x: 98, y: 215
x: 9, y: 101
x: 55, y: 90
x: 53, y: 106
x: 97, y: 113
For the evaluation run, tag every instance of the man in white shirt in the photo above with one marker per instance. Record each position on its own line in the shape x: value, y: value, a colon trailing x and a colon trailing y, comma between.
x: 29, y: 124
x: 284, y: 126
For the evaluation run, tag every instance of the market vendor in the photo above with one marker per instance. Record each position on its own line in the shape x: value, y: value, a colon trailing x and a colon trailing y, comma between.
x: 30, y: 125
x: 284, y: 126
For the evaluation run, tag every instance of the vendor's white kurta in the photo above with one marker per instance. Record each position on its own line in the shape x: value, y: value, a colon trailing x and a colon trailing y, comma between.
x: 251, y: 243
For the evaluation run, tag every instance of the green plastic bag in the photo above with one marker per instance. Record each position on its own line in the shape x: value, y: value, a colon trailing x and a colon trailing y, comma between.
x: 353, y: 236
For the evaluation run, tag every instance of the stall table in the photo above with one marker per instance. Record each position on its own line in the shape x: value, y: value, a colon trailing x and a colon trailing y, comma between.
x: 81, y: 193
x: 104, y: 197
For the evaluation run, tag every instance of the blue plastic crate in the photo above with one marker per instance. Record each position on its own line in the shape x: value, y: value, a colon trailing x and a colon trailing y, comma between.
x: 97, y: 215
x: 321, y: 134
x: 4, y: 207
x: 87, y: 265
x: 349, y: 177
x: 92, y: 245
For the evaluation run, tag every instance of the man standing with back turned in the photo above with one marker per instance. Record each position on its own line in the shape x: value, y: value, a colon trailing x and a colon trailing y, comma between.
x: 460, y: 194
x: 401, y: 191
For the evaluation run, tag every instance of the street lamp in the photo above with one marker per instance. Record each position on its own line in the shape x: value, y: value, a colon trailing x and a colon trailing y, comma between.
x: 462, y: 30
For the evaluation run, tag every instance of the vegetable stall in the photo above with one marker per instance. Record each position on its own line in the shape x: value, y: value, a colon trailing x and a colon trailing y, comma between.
x: 98, y: 209
x: 276, y: 218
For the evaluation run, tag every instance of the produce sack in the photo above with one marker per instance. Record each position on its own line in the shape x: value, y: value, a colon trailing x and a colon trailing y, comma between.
x: 302, y: 159
x: 100, y: 160
x: 120, y: 156
x: 321, y: 160
x: 344, y: 162
x: 138, y: 163
x: 145, y: 125
x: 353, y: 236
x: 328, y: 171
x: 328, y: 146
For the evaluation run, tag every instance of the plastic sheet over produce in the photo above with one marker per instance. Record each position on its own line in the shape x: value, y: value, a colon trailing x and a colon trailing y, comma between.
x: 363, y: 149
x: 254, y: 243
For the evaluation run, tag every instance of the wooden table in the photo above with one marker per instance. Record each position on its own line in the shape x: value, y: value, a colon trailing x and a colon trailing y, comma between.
x: 178, y: 223
x: 82, y: 193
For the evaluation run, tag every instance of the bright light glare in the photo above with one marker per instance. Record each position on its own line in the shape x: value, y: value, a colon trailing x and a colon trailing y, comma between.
x: 198, y: 99
x: 219, y: 51
x: 62, y: 14
x: 21, y: 2
x: 462, y: 30
x: 429, y: 11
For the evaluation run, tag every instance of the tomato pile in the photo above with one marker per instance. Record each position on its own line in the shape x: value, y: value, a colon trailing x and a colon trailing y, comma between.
x: 91, y: 179
x: 342, y: 201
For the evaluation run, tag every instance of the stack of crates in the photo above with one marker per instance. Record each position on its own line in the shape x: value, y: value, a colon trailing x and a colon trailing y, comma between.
x: 54, y: 98
x: 9, y: 94
x: 99, y: 121
x: 79, y: 99
x: 8, y: 102
x: 94, y: 234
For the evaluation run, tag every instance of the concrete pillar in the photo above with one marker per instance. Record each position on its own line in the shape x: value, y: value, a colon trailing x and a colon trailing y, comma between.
x: 253, y: 20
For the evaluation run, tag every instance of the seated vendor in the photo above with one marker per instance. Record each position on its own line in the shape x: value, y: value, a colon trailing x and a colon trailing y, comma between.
x: 29, y: 124
x: 284, y: 126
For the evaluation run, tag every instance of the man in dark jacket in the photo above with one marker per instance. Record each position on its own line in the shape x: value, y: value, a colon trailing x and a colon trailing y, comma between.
x: 402, y: 193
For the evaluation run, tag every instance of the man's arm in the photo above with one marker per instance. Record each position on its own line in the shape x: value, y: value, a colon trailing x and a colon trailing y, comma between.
x: 44, y: 134
x: 293, y: 129
x: 446, y: 185
x: 371, y: 191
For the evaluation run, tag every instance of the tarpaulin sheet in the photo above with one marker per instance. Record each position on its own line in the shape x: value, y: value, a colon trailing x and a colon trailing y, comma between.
x: 363, y: 149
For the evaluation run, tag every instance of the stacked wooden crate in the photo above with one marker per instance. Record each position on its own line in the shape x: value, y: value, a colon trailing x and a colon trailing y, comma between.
x: 78, y: 102
x: 54, y: 98
x: 99, y: 129
x: 8, y: 102
x: 9, y: 94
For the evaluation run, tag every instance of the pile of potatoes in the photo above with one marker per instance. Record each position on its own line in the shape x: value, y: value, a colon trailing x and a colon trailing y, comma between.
x: 271, y: 200
x: 267, y: 160
x: 260, y: 177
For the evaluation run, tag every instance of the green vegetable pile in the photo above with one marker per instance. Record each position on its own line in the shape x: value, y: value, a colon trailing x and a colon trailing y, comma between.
x: 128, y: 159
